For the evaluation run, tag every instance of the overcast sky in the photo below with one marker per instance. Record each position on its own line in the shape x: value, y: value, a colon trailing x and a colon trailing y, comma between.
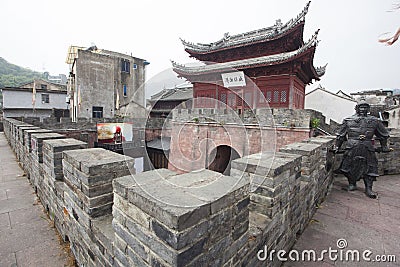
x: 36, y: 34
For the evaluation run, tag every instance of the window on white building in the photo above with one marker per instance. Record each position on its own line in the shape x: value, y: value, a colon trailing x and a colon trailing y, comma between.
x: 45, y: 98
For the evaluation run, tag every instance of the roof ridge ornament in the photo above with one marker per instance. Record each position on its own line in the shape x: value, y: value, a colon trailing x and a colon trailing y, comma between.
x: 312, y: 41
x: 226, y: 37
x: 177, y: 65
x: 305, y: 10
x: 321, y: 70
x: 278, y: 25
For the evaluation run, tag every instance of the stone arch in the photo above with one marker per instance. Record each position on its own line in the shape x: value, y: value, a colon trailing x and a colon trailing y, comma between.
x: 220, y: 159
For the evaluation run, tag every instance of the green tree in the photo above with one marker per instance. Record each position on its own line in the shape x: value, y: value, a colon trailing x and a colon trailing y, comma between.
x: 12, y: 75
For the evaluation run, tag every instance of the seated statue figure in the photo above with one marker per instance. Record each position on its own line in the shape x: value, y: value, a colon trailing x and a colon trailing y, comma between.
x: 359, y: 159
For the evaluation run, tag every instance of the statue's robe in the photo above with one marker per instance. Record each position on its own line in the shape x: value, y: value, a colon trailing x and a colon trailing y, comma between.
x: 359, y: 159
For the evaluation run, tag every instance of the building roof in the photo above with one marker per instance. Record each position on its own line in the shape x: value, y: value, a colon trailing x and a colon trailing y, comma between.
x: 260, y: 35
x: 341, y: 93
x: 73, y: 53
x: 392, y: 108
x: 180, y: 92
x: 320, y: 88
x: 54, y: 86
x: 381, y: 92
x: 51, y: 88
x: 19, y: 89
x: 160, y: 143
x: 251, y: 62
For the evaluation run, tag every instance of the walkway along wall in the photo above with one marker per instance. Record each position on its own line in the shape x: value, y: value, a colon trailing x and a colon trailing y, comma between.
x: 161, y: 218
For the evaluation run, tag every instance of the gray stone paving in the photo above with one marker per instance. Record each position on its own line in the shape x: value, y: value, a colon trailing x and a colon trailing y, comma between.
x: 364, y: 223
x: 27, y: 237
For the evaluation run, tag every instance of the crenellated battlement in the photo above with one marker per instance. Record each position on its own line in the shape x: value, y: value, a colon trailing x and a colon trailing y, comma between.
x: 114, y: 217
x: 279, y: 117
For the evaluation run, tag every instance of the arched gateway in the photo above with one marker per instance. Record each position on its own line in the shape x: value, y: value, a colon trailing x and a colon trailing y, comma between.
x: 220, y: 159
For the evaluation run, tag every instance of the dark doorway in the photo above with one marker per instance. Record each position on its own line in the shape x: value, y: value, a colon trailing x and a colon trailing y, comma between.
x: 60, y: 113
x: 158, y: 151
x: 222, y: 157
x: 158, y: 158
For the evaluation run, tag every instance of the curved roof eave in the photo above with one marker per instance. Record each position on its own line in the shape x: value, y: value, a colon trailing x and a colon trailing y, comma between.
x: 270, y: 33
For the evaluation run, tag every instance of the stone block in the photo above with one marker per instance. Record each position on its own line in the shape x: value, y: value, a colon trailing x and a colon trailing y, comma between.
x: 28, y: 136
x: 182, y: 202
x: 22, y: 131
x: 97, y: 161
x: 134, y: 213
x: 60, y: 145
x: 104, y: 232
x: 268, y: 164
x: 178, y: 223
x: 52, y: 154
x: 304, y: 149
x: 92, y: 182
x: 37, y: 143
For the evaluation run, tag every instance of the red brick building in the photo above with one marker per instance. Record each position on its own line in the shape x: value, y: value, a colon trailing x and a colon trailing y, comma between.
x: 269, y: 67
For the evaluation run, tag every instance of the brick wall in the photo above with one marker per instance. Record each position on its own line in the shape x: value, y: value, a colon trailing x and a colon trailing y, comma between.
x: 192, y: 142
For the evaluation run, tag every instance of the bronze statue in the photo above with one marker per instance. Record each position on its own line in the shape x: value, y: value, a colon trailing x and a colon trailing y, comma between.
x: 359, y: 159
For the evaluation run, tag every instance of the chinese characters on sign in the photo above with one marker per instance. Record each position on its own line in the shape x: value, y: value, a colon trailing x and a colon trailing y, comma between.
x: 233, y: 79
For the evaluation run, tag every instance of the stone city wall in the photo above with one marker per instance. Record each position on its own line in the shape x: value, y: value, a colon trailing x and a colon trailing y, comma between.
x: 161, y: 218
x: 247, y: 133
x: 157, y: 128
x: 389, y: 163
x: 85, y: 129
x: 274, y: 117
x: 286, y: 121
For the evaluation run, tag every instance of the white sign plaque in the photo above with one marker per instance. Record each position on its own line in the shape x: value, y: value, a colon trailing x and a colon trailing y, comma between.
x: 233, y: 79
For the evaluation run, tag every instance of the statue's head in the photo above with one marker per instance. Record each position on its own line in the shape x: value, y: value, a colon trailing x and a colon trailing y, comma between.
x: 362, y: 108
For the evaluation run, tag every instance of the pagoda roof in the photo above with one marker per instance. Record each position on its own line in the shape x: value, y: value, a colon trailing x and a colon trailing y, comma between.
x: 174, y: 94
x: 252, y: 62
x: 260, y: 35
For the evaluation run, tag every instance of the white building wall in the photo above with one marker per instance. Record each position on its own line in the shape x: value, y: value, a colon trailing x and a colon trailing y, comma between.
x: 372, y: 99
x: 23, y: 99
x: 19, y: 104
x: 394, y: 118
x: 331, y: 106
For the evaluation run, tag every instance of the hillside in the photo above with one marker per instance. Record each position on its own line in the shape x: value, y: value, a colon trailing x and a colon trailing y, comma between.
x: 13, y: 75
